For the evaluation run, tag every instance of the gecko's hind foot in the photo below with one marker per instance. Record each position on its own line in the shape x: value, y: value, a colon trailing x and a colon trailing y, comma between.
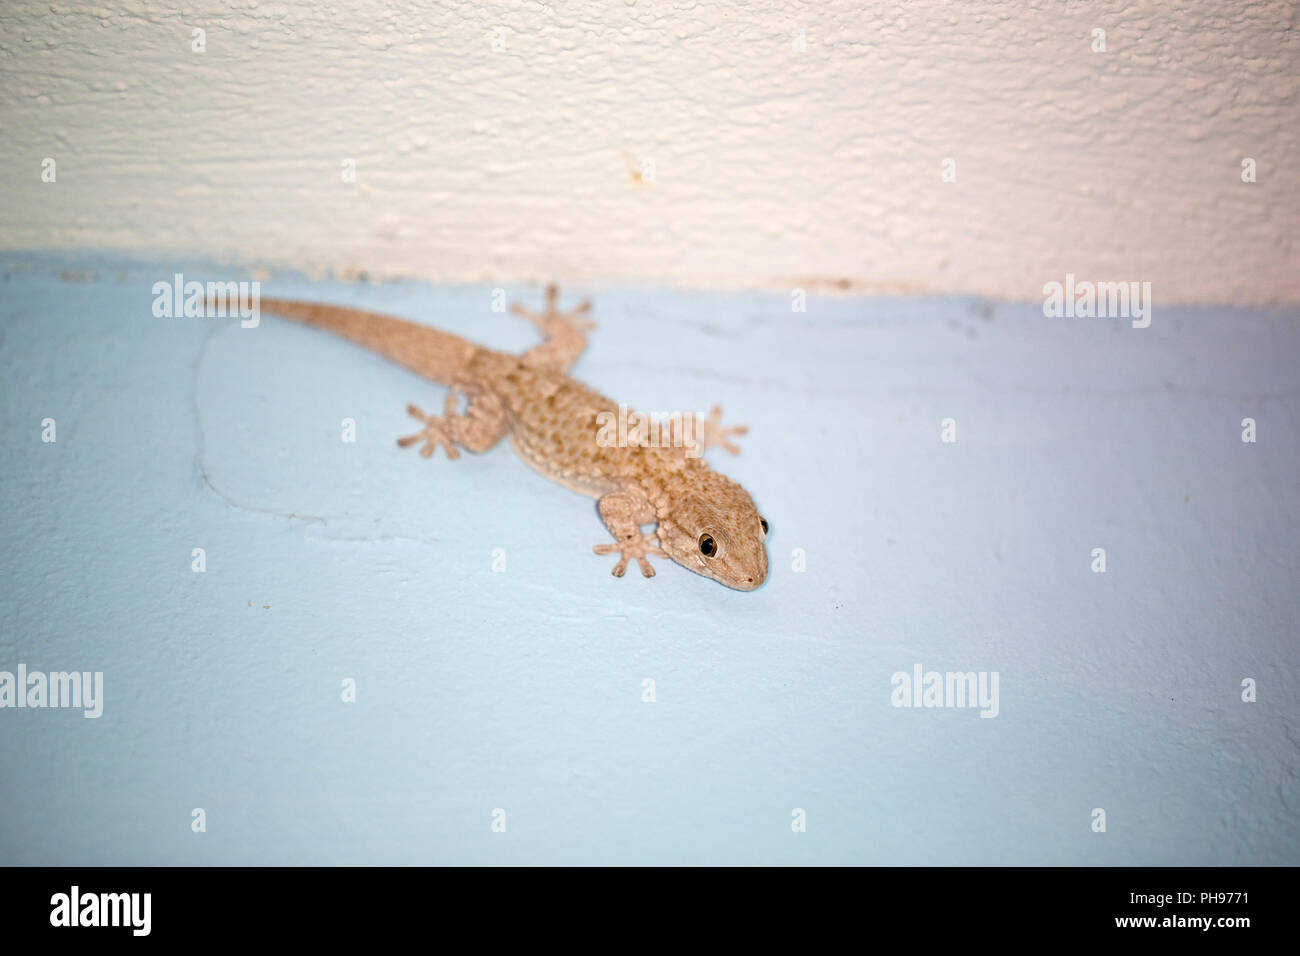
x: 437, y: 431
x: 553, y: 322
x: 634, y: 547
x: 711, y: 433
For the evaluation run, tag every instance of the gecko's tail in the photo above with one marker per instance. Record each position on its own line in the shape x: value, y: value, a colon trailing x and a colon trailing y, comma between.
x: 438, y: 356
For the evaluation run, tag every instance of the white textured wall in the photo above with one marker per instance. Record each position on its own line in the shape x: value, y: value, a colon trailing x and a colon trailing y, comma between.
x: 773, y: 167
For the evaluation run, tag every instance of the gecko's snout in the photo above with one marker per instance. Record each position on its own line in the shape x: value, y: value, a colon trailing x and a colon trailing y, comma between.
x: 751, y: 577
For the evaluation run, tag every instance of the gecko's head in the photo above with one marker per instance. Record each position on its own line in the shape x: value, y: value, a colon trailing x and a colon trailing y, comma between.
x: 716, y: 531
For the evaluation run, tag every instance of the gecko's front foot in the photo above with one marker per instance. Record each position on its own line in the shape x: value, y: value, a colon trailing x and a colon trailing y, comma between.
x: 553, y: 322
x: 711, y: 432
x: 635, y: 546
x: 437, y: 431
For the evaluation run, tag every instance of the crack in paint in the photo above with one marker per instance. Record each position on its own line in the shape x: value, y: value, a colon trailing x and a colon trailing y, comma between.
x: 206, y: 476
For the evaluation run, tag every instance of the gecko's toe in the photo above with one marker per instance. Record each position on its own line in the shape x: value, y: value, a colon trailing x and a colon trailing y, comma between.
x: 576, y: 317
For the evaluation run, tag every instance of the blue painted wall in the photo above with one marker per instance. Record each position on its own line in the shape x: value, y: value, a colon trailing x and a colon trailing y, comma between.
x: 522, y: 689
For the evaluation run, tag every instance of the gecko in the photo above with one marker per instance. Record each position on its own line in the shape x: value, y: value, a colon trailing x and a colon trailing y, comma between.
x: 702, y: 520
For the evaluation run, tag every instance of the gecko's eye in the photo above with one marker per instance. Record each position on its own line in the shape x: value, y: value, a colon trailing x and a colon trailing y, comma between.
x: 708, y: 547
x: 763, y: 522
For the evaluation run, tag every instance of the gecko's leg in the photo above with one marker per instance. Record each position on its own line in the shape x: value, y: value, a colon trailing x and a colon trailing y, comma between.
x: 623, y: 513
x: 711, y: 433
x: 565, y: 333
x: 481, y: 426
